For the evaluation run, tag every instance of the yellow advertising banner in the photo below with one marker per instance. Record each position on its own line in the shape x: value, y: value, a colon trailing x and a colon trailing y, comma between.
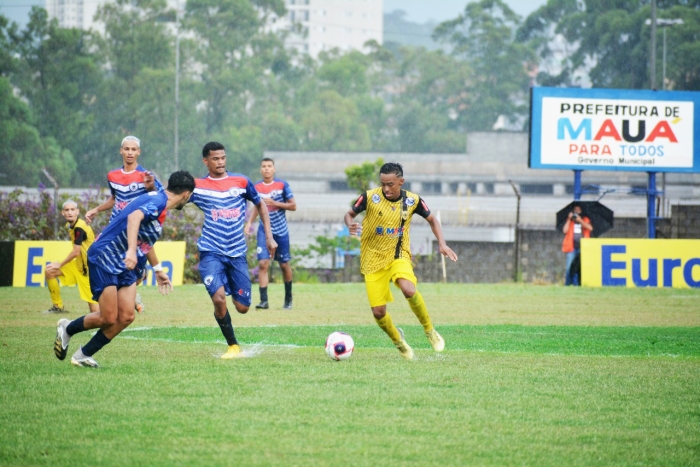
x: 611, y: 262
x: 32, y: 257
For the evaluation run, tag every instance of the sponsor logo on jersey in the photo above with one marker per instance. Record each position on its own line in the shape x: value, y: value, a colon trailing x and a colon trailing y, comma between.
x: 236, y: 191
x: 133, y: 186
x: 119, y: 205
x: 208, y: 280
x: 217, y: 214
x: 389, y: 231
x: 375, y: 198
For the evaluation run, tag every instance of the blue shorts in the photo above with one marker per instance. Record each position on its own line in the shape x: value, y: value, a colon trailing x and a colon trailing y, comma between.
x: 282, y: 254
x: 100, y: 279
x: 230, y: 273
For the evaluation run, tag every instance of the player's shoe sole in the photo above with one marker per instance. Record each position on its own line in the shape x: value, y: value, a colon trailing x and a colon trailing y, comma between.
x: 404, y: 349
x: 139, y: 306
x: 234, y: 351
x: 436, y: 340
x: 80, y: 359
x: 60, y: 345
x: 262, y: 305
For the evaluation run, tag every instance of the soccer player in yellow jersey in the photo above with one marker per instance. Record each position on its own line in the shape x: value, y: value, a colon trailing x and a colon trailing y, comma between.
x: 72, y: 270
x: 385, y: 252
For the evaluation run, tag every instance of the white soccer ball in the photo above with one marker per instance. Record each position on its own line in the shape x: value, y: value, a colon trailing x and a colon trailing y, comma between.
x: 339, y: 346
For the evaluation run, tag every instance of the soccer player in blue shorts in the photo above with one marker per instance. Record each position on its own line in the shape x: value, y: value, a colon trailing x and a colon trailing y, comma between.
x: 127, y: 183
x: 112, y: 260
x: 223, y: 266
x: 278, y: 198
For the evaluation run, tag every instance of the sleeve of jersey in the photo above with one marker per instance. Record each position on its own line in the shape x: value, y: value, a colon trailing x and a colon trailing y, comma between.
x: 252, y: 193
x: 159, y: 186
x: 361, y: 204
x: 287, y: 193
x: 111, y: 188
x: 150, y: 211
x: 422, y: 209
x: 79, y: 236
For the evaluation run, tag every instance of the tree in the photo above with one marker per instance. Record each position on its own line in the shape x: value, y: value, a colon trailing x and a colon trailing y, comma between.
x: 59, y: 78
x: 333, y: 123
x: 360, y: 177
x: 610, y: 43
x: 484, y: 37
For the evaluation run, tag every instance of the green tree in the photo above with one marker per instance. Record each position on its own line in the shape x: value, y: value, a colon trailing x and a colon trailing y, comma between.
x: 360, y: 177
x: 610, y: 42
x: 485, y: 37
x: 333, y: 123
x: 59, y: 77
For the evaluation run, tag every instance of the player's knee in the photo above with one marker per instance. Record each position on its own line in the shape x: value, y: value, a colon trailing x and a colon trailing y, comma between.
x: 219, y: 300
x: 108, y: 320
x: 242, y: 309
x: 126, y: 320
x: 408, y: 293
x: 264, y: 265
x: 379, y: 312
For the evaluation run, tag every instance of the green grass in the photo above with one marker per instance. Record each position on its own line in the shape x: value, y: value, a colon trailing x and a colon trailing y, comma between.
x: 531, y: 376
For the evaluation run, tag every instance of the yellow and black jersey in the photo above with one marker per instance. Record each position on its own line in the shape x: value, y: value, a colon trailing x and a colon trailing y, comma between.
x: 385, y: 228
x: 81, y: 234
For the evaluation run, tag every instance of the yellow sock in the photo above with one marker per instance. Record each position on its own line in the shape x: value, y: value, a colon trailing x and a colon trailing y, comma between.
x: 55, y: 291
x: 388, y: 327
x: 421, y: 311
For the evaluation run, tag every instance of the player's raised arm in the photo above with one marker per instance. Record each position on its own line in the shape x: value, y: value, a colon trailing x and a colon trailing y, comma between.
x: 90, y: 215
x: 437, y: 231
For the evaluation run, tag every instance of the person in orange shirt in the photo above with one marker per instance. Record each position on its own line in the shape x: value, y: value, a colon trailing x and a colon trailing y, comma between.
x: 576, y: 227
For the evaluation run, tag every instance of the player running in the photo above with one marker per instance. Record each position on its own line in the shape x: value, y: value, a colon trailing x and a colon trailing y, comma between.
x: 112, y: 261
x: 73, y: 269
x: 223, y: 266
x: 385, y: 252
x: 278, y: 198
x: 126, y: 184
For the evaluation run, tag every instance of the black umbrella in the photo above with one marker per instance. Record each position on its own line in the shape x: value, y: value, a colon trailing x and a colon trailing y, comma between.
x: 601, y: 217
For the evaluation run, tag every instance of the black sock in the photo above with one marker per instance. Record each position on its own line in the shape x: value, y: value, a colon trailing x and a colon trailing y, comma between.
x: 98, y: 341
x: 287, y: 291
x: 76, y: 326
x: 263, y: 294
x: 227, y: 328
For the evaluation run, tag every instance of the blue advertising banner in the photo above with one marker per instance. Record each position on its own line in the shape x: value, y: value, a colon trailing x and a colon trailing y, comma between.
x: 614, y: 129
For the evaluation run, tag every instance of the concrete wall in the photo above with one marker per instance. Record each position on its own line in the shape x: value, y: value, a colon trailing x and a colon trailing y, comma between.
x: 541, y: 258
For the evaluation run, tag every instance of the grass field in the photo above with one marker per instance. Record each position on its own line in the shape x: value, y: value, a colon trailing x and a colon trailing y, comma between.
x: 531, y: 375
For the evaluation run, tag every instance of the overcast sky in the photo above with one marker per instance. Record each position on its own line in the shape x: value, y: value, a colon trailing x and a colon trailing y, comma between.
x: 418, y: 11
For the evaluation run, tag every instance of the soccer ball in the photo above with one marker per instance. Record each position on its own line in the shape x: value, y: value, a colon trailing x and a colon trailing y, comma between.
x: 339, y: 346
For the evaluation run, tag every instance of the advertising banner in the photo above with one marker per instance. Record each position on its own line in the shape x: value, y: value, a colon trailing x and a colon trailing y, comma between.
x: 32, y: 257
x: 609, y: 262
x: 612, y: 129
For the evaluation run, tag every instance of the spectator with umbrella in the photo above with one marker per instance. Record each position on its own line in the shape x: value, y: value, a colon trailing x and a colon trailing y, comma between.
x: 576, y: 227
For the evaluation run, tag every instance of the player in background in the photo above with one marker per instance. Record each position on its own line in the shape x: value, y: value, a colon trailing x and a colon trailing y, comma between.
x: 223, y: 266
x: 126, y: 184
x: 278, y: 198
x: 73, y: 269
x: 385, y: 252
x: 112, y: 261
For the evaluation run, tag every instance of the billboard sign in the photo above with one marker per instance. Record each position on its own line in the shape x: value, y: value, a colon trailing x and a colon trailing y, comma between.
x: 31, y: 258
x: 609, y: 262
x: 612, y: 129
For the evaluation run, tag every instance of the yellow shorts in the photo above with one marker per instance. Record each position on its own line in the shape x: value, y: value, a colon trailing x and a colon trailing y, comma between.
x: 71, y: 275
x: 377, y: 283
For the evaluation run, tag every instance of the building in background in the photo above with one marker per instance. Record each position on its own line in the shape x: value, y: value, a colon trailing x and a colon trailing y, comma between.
x: 314, y: 25
x: 319, y: 25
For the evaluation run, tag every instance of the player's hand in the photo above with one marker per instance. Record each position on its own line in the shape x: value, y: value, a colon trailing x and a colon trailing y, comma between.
x: 355, y: 229
x: 269, y: 201
x: 130, y: 260
x: 90, y: 215
x: 447, y: 251
x: 248, y: 229
x: 149, y: 181
x: 271, y: 246
x: 51, y: 266
x: 164, y: 284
